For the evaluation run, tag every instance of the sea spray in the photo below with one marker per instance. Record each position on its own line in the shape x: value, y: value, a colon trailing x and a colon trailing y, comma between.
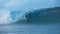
x: 7, y: 17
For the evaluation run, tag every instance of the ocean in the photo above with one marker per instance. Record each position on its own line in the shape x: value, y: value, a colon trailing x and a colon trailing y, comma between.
x: 42, y: 21
x: 30, y: 29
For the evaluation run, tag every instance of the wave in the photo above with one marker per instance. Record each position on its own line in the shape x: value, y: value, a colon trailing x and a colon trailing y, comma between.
x: 44, y: 16
x: 37, y: 16
x: 7, y: 17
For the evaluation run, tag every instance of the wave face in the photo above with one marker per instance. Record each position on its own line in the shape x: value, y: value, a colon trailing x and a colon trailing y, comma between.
x: 37, y: 16
x: 44, y: 16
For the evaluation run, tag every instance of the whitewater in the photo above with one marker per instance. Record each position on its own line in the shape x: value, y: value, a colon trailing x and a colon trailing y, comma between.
x: 7, y: 17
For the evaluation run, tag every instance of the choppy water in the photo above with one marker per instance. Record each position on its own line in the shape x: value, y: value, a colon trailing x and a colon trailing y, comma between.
x: 30, y: 29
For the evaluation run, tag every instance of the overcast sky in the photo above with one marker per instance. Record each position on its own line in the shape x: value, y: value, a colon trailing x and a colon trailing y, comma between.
x: 27, y: 4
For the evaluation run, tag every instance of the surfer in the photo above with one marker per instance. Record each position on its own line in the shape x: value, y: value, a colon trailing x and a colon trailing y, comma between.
x: 28, y: 16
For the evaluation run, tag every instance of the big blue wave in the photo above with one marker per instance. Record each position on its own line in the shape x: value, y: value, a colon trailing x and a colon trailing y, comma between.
x: 31, y: 16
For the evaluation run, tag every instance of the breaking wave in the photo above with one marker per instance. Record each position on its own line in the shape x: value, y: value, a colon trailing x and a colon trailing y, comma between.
x: 7, y: 17
x: 38, y: 15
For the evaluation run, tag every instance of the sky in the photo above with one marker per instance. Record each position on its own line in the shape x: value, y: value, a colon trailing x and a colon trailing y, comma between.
x: 7, y: 6
x: 27, y: 4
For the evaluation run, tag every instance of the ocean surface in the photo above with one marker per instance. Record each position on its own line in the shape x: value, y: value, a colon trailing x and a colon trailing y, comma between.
x: 30, y: 29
